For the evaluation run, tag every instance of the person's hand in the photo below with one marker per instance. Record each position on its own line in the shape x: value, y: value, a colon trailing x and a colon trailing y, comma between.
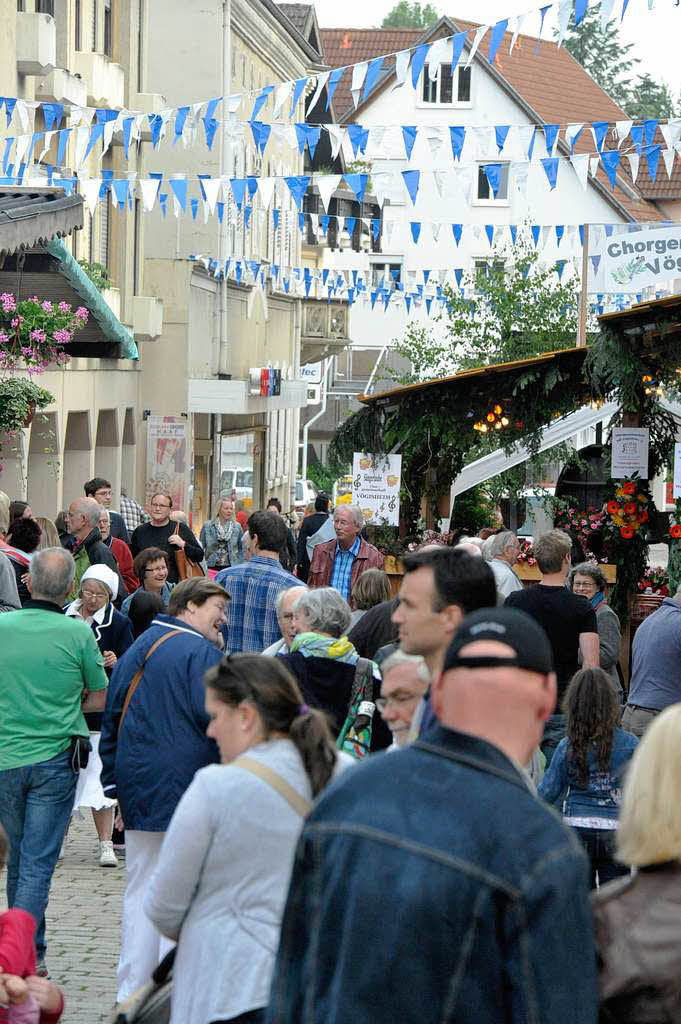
x: 176, y: 540
x: 13, y: 990
x: 84, y: 696
x: 110, y: 659
x: 25, y: 578
x: 45, y: 992
x: 118, y: 821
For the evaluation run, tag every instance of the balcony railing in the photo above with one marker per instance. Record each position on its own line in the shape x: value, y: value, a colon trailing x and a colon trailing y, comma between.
x: 36, y: 43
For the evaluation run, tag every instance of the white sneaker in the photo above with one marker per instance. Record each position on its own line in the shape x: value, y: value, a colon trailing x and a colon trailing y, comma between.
x: 107, y: 857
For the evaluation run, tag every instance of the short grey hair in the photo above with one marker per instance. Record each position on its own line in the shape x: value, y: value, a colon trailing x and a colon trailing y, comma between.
x: 399, y: 657
x: 104, y: 512
x: 592, y: 571
x: 356, y: 511
x: 52, y: 573
x: 90, y: 509
x: 501, y: 541
x: 325, y: 610
x: 279, y: 600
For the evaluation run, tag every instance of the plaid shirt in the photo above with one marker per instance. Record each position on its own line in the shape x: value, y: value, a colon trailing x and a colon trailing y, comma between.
x: 253, y: 587
x: 133, y: 514
x: 341, y: 574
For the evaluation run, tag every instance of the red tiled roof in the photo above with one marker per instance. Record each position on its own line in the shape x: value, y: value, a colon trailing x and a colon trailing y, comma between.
x: 548, y: 78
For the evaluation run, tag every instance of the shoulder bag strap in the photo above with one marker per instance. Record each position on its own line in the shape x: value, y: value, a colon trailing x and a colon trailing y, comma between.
x: 363, y: 681
x: 140, y: 672
x: 298, y: 803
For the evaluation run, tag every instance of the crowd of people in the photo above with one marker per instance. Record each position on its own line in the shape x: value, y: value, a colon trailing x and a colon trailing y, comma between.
x: 301, y: 761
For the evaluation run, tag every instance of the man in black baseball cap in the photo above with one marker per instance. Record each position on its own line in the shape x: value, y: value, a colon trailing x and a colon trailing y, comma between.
x: 484, y: 890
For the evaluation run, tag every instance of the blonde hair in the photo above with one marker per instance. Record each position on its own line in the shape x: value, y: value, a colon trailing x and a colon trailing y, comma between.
x: 49, y: 537
x: 650, y: 815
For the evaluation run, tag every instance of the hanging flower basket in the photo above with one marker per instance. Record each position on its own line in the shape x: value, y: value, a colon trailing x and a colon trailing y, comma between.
x: 35, y: 333
x: 19, y: 400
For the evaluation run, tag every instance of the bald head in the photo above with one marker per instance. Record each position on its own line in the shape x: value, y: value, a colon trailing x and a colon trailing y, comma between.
x: 284, y: 605
x: 505, y: 705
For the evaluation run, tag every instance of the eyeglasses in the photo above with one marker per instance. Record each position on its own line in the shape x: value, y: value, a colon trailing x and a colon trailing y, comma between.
x: 397, y: 700
x: 155, y: 504
x: 157, y: 568
x: 92, y: 594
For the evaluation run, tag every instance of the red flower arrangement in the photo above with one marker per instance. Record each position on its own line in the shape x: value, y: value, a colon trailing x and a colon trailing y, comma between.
x: 628, y: 517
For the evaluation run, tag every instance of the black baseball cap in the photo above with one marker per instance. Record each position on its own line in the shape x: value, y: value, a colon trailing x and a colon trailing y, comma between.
x: 509, y: 626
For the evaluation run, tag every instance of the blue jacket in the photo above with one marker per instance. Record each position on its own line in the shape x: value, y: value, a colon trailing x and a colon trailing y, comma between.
x: 600, y: 797
x: 163, y: 741
x: 430, y: 886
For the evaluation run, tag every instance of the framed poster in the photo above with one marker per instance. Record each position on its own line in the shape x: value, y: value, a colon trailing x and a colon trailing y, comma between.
x: 376, y: 483
x: 629, y: 453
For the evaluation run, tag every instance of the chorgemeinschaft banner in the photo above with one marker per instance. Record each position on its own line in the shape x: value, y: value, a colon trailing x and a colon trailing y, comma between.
x: 630, y: 262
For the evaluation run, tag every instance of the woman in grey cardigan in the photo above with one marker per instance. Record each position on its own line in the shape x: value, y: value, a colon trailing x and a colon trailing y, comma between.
x: 221, y: 537
x: 223, y: 872
x: 588, y: 580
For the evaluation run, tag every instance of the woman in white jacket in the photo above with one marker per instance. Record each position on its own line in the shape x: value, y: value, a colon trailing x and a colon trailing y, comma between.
x: 223, y: 873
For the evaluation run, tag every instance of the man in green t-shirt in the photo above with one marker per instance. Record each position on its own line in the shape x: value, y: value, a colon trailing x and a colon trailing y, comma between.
x: 51, y: 671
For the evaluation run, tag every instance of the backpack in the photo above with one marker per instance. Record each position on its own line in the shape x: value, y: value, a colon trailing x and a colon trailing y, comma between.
x: 355, y: 736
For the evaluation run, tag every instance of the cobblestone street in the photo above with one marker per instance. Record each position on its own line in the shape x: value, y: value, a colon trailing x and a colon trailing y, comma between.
x: 83, y: 928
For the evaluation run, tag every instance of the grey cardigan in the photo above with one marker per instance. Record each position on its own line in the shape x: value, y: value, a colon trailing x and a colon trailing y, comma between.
x: 610, y: 636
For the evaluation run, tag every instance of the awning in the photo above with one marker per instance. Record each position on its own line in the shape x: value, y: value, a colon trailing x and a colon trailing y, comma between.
x: 30, y: 217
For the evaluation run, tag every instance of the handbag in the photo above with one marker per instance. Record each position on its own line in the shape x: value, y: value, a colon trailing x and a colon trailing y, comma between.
x: 355, y: 736
x: 186, y: 569
x: 150, y: 1004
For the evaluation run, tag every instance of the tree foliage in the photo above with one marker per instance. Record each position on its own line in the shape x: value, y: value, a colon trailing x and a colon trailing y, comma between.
x: 410, y: 15
x: 502, y: 312
x: 650, y: 99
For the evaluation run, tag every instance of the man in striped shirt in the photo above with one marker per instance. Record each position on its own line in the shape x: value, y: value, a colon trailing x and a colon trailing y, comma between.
x: 254, y: 586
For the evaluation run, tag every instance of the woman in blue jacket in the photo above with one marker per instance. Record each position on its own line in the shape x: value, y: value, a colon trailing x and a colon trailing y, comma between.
x: 585, y: 776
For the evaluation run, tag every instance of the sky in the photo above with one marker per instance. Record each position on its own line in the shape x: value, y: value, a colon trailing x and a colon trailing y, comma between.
x: 656, y: 33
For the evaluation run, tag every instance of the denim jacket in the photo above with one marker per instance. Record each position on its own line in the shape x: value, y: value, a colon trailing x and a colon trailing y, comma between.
x: 209, y: 538
x: 600, y: 797
x: 430, y: 886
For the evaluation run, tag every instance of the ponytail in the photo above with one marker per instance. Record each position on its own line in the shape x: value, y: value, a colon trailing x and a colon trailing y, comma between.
x: 272, y: 689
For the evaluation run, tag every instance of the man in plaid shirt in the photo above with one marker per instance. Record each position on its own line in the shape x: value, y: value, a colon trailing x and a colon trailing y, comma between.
x: 254, y: 585
x: 132, y: 512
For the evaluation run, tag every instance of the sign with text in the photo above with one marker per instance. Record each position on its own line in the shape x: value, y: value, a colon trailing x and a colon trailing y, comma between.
x: 629, y: 453
x: 167, y: 458
x: 376, y: 483
x: 677, y: 471
x: 631, y: 262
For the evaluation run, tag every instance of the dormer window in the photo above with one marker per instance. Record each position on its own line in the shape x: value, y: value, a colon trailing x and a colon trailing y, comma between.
x: 446, y: 90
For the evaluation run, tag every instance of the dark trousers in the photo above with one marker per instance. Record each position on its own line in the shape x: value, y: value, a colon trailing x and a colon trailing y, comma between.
x: 554, y: 731
x: 599, y: 844
x: 252, y: 1017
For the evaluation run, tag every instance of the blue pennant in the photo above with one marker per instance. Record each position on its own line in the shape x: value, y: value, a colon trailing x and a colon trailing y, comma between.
x: 298, y: 187
x: 301, y: 221
x: 418, y: 59
x: 493, y: 175
x: 560, y: 231
x: 127, y: 131
x: 181, y: 115
x: 610, y: 159
x: 261, y: 135
x: 415, y: 226
x: 596, y: 262
x: 501, y: 131
x: 358, y: 138
x: 536, y: 231
x: 581, y: 234
x: 489, y: 231
x: 247, y: 215
x: 600, y: 131
x: 373, y: 71
x: 513, y: 228
x: 261, y: 100
x: 155, y: 125
x: 163, y: 201
x: 221, y: 211
x: 652, y: 155
x: 458, y: 274
x: 96, y: 133
x: 411, y: 181
x: 334, y: 79
x: 209, y: 122
x: 530, y: 149
x: 457, y: 230
x: 238, y: 186
x: 560, y: 267
x: 376, y: 228
x: 275, y: 218
x: 10, y: 104
x: 179, y: 187
x: 324, y: 223
x: 496, y: 38
x: 551, y: 134
x: 550, y: 165
x: 649, y: 129
x: 357, y: 183
x: 458, y: 42
x: 637, y: 137
x: 64, y: 136
x: 121, y: 189
x: 580, y: 10
x: 409, y: 136
x: 457, y: 134
x: 194, y: 203
x: 429, y: 303
x: 52, y: 113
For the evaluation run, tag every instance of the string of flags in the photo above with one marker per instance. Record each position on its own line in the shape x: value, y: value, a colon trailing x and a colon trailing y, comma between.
x: 370, y: 289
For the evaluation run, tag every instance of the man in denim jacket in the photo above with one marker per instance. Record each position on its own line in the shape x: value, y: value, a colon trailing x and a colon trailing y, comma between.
x: 430, y: 885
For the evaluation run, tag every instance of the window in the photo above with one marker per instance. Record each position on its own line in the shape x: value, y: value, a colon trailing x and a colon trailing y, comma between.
x: 44, y: 7
x: 444, y: 89
x: 485, y: 193
x: 21, y: 5
x: 78, y: 41
x: 385, y: 275
x: 107, y: 28
x: 488, y: 267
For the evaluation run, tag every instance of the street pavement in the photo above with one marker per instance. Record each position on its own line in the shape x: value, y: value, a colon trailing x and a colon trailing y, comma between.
x: 83, y: 927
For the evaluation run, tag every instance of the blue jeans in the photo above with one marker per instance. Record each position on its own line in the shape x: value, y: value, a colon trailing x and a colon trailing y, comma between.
x: 599, y: 844
x: 35, y: 805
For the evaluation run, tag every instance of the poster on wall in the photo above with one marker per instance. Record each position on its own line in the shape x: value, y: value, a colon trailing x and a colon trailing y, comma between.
x: 636, y: 260
x: 677, y: 471
x: 376, y: 483
x: 629, y: 453
x: 167, y: 458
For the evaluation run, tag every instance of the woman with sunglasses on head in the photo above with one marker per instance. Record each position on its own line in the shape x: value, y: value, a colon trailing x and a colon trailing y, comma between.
x: 223, y: 873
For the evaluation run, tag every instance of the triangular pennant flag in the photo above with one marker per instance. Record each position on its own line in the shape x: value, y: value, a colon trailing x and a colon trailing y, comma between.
x: 520, y: 18
x: 358, y: 75
x: 637, y: 137
x: 564, y: 11
x: 89, y: 188
x: 334, y: 79
x: 634, y: 163
x: 550, y: 165
x: 458, y: 275
x: 238, y: 187
x: 457, y: 135
x: 479, y: 36
x: 211, y: 187
x: 401, y: 67
x: 96, y: 133
x: 120, y: 188
x: 275, y: 218
x: 513, y: 228
x: 359, y: 137
x: 595, y: 259
x: 580, y: 162
x: 610, y: 158
x: 652, y: 154
x: 261, y: 100
x: 489, y: 231
x: 180, y: 121
x: 179, y: 187
x: 409, y: 136
x: 536, y: 230
x: 373, y: 71
x: 551, y: 134
x: 10, y: 104
x: 560, y: 267
x: 496, y: 37
x: 435, y: 227
x: 336, y: 136
x: 261, y: 134
x: 298, y: 88
x: 572, y: 133
x: 438, y: 54
x: 357, y: 183
x: 266, y: 190
x: 322, y: 79
x: 493, y: 175
x: 52, y: 114
x: 622, y: 129
x: 501, y: 133
x: 457, y: 49
x: 599, y: 130
x: 163, y: 200
x: 349, y: 224
x: 668, y: 157
x: 411, y: 180
x: 580, y: 10
x: 457, y: 230
x: 522, y: 172
x: 418, y: 59
x: 298, y: 186
x: 560, y: 231
x: 327, y: 185
x: 149, y: 188
x: 415, y: 226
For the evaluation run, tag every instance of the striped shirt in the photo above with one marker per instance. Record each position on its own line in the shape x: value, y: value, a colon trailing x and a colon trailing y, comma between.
x: 253, y: 587
x: 341, y: 573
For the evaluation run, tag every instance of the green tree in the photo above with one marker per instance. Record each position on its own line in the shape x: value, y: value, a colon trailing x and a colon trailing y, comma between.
x: 406, y: 15
x: 604, y: 56
x: 505, y: 312
x: 650, y: 99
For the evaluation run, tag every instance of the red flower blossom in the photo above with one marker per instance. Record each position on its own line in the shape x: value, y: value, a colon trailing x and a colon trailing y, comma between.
x: 627, y: 532
x: 613, y: 508
x: 630, y: 508
x: 675, y: 530
x: 629, y: 488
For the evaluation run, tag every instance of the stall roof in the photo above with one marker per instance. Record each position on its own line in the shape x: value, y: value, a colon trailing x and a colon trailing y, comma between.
x: 30, y: 217
x: 645, y: 316
x: 480, y: 373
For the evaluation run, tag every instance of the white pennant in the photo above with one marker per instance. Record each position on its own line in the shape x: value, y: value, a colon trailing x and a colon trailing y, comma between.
x: 545, y: 232
x: 149, y: 188
x: 440, y: 179
x: 564, y: 11
x: 671, y: 132
x: 234, y: 102
x: 435, y: 228
x: 516, y: 31
x: 21, y: 110
x: 376, y: 138
x: 484, y: 141
x: 265, y: 190
x: 634, y: 161
x: 465, y: 176
x: 668, y: 157
x: 594, y: 163
x: 580, y: 162
x: 479, y: 35
x: 109, y: 129
x: 522, y: 171
x: 622, y: 129
x: 440, y: 52
x: 47, y: 143
x: 402, y: 66
x: 336, y: 136
x: 434, y: 136
x: 82, y: 137
x: 359, y: 73
x: 321, y: 82
x: 521, y: 137
x: 281, y: 95
x: 327, y: 185
x: 606, y: 13
x: 89, y: 188
x: 21, y: 149
x: 211, y: 186
x: 87, y: 114
x: 381, y: 182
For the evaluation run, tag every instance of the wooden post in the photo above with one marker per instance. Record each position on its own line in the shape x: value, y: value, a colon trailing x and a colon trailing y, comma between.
x: 584, y: 294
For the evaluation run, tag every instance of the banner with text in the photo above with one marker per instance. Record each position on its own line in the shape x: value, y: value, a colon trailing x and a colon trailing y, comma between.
x: 636, y: 260
x: 167, y: 458
x: 376, y: 483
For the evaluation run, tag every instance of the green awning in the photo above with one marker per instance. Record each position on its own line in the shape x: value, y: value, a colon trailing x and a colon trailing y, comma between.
x: 109, y: 323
